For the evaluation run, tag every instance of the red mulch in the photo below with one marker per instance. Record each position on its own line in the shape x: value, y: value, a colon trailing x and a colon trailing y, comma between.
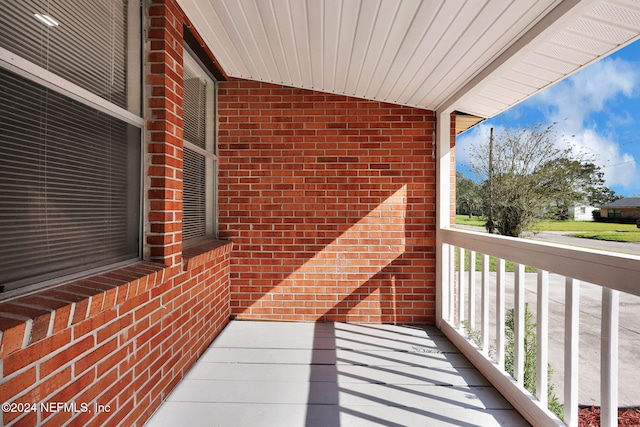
x: 590, y: 417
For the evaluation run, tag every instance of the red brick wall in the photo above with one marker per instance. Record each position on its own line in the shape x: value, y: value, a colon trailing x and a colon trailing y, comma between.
x: 164, y: 133
x: 330, y: 203
x: 123, y: 339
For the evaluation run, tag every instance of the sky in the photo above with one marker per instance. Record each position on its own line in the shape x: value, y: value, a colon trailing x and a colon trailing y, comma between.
x: 597, y: 109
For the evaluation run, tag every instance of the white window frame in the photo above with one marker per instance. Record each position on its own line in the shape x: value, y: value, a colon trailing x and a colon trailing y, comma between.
x: 131, y: 115
x: 210, y: 153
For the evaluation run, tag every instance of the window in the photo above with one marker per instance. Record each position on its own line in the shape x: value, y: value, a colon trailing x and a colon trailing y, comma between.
x: 70, y: 137
x: 615, y: 213
x: 200, y: 152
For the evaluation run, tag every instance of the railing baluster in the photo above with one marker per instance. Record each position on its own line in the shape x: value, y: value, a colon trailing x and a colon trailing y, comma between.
x: 472, y: 289
x: 614, y: 272
x: 452, y: 283
x: 461, y: 286
x: 446, y: 281
x: 571, y: 344
x: 485, y: 303
x: 519, y: 321
x: 500, y: 314
x: 609, y: 358
x: 542, y: 336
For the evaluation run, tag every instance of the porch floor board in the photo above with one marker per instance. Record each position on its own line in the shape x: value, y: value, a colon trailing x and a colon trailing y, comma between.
x: 333, y: 374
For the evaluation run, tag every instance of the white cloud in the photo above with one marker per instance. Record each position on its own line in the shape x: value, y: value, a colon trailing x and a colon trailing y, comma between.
x: 584, y: 108
x: 619, y: 168
x: 573, y: 101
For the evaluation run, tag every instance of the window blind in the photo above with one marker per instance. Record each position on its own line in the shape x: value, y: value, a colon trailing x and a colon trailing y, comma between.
x: 194, y: 216
x: 195, y: 109
x: 69, y: 184
x: 88, y: 46
x: 198, y: 155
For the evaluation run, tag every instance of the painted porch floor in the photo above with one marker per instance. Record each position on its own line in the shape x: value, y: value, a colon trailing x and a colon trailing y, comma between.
x: 333, y: 374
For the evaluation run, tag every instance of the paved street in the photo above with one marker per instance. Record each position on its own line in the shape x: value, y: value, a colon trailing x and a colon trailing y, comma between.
x: 564, y: 238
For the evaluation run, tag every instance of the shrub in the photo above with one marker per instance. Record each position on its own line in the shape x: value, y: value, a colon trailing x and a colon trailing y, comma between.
x: 530, y: 349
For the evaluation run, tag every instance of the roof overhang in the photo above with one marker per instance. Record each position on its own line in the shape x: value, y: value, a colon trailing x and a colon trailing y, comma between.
x: 478, y: 57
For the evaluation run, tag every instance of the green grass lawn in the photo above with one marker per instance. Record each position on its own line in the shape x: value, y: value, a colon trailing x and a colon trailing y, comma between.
x: 612, y: 236
x: 584, y: 229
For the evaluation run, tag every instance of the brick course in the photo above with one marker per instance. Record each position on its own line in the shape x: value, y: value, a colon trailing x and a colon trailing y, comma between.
x: 127, y: 354
x: 330, y: 202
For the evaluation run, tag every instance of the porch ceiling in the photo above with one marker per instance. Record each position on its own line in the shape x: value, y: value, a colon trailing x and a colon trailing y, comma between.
x: 478, y: 57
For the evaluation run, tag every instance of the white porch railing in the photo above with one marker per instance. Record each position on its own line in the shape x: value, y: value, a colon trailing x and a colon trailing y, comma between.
x: 613, y: 272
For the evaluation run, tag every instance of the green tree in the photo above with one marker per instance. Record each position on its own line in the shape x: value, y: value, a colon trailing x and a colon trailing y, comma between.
x: 573, y: 181
x: 526, y: 173
x: 468, y: 199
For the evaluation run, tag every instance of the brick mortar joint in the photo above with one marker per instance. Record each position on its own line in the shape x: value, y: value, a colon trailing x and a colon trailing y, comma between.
x: 156, y: 278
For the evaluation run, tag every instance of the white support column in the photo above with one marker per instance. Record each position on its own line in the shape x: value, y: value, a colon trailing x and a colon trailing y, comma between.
x: 500, y: 313
x: 542, y: 337
x: 571, y: 344
x: 609, y: 358
x: 519, y: 322
x: 485, y: 303
x: 443, y: 211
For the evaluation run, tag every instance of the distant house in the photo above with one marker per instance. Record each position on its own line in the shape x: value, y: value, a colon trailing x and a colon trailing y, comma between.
x: 582, y: 212
x: 628, y: 207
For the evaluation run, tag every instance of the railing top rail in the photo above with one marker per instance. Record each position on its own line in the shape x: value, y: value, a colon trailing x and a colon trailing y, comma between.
x: 609, y: 269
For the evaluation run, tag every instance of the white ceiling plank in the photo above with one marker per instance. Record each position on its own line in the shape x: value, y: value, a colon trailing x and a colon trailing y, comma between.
x: 205, y: 19
x: 315, y: 23
x: 410, y: 48
x: 600, y: 30
x: 546, y: 27
x: 624, y: 15
x: 513, y: 81
x: 263, y: 42
x: 235, y: 23
x: 414, y: 70
x: 400, y: 26
x: 301, y: 38
x: 346, y: 43
x: 271, y: 38
x: 447, y: 37
x: 365, y: 27
x: 503, y: 22
x: 383, y: 27
x: 458, y: 47
x: 331, y: 32
x: 573, y: 56
x: 433, y: 54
